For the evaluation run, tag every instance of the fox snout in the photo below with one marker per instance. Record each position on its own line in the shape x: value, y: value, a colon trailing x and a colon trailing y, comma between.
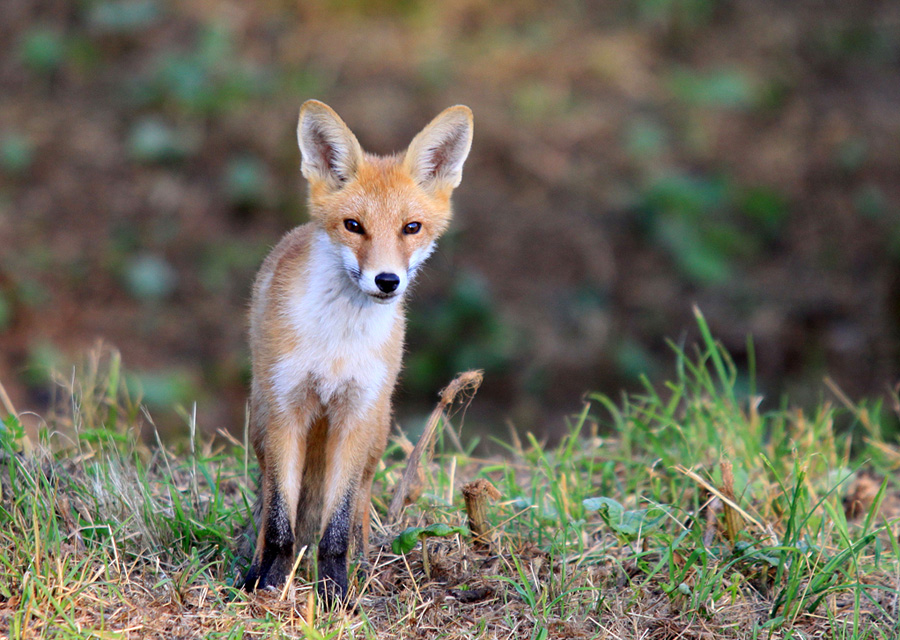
x: 387, y: 282
x: 381, y: 284
x: 383, y: 274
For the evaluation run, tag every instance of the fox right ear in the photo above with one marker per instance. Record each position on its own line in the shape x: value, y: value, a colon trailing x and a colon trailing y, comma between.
x: 436, y: 155
x: 330, y: 152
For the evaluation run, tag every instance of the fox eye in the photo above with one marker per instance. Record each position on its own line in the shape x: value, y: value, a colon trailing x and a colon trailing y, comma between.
x: 353, y: 226
x: 412, y: 227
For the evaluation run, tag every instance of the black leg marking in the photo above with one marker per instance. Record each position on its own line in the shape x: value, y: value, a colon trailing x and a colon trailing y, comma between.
x: 333, y: 553
x: 272, y: 566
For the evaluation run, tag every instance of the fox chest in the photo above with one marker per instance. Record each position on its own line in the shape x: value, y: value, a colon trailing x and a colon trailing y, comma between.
x: 338, y: 354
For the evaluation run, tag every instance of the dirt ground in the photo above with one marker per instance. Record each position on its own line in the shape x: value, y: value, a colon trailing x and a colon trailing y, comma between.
x: 632, y: 159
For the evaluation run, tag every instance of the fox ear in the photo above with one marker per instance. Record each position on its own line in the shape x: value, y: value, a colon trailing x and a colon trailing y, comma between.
x: 436, y: 155
x: 330, y: 152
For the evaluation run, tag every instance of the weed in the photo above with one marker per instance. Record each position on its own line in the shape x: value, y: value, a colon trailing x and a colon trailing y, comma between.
x: 677, y: 507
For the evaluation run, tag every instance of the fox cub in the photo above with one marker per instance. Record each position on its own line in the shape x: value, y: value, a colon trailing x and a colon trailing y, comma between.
x: 326, y: 334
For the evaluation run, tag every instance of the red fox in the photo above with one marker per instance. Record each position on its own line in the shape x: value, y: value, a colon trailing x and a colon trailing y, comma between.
x: 326, y: 334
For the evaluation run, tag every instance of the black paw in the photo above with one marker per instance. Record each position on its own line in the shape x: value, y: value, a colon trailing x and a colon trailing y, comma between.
x: 268, y: 575
x: 333, y: 586
x: 333, y: 595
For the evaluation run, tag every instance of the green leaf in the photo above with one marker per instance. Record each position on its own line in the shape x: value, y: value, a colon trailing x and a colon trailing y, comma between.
x: 686, y: 196
x: 245, y: 181
x: 441, y: 530
x: 11, y: 431
x: 16, y: 153
x: 406, y: 541
x: 150, y: 278
x: 124, y: 17
x: 623, y: 522
x: 152, y: 140
x: 607, y: 507
x: 645, y: 139
x: 162, y: 389
x: 42, y: 50
x: 766, y: 207
x: 723, y: 88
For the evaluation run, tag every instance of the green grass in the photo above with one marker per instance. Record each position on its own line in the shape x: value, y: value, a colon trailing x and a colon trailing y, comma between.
x: 684, y: 510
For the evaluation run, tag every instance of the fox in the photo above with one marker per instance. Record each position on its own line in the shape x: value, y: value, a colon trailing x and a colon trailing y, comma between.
x: 327, y: 325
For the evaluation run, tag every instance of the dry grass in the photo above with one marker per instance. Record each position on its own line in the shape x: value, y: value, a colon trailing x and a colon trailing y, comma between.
x: 693, y: 516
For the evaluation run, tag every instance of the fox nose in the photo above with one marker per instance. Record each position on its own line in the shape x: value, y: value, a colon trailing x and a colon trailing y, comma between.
x: 387, y: 282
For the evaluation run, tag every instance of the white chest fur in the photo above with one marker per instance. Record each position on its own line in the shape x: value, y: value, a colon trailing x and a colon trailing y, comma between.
x: 340, y: 334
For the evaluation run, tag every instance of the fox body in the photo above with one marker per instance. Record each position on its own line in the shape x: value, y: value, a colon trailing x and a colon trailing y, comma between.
x: 326, y: 334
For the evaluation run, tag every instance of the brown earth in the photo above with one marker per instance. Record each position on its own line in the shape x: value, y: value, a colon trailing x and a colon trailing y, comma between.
x: 569, y: 261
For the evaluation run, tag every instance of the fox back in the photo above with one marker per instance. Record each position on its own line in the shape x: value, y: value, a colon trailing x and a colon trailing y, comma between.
x: 326, y: 334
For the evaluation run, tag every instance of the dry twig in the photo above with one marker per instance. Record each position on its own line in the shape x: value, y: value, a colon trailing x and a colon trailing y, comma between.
x: 467, y: 382
x: 476, y: 494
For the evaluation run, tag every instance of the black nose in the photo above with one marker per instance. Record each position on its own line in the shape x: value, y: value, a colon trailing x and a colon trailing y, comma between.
x: 387, y: 282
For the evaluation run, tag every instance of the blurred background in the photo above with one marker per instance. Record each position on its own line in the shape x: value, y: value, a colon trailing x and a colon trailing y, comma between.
x: 632, y: 158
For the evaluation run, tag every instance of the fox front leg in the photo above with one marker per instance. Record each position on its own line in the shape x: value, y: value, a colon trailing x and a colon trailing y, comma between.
x: 333, y: 584
x: 274, y: 548
x: 281, y: 452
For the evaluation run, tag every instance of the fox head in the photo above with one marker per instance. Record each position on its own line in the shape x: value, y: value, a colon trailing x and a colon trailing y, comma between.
x: 382, y: 214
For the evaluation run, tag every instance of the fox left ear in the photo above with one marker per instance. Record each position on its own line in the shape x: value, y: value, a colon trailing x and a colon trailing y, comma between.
x: 436, y: 155
x: 330, y: 152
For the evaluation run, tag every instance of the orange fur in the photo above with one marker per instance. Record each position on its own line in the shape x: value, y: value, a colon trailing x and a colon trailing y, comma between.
x: 327, y: 328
